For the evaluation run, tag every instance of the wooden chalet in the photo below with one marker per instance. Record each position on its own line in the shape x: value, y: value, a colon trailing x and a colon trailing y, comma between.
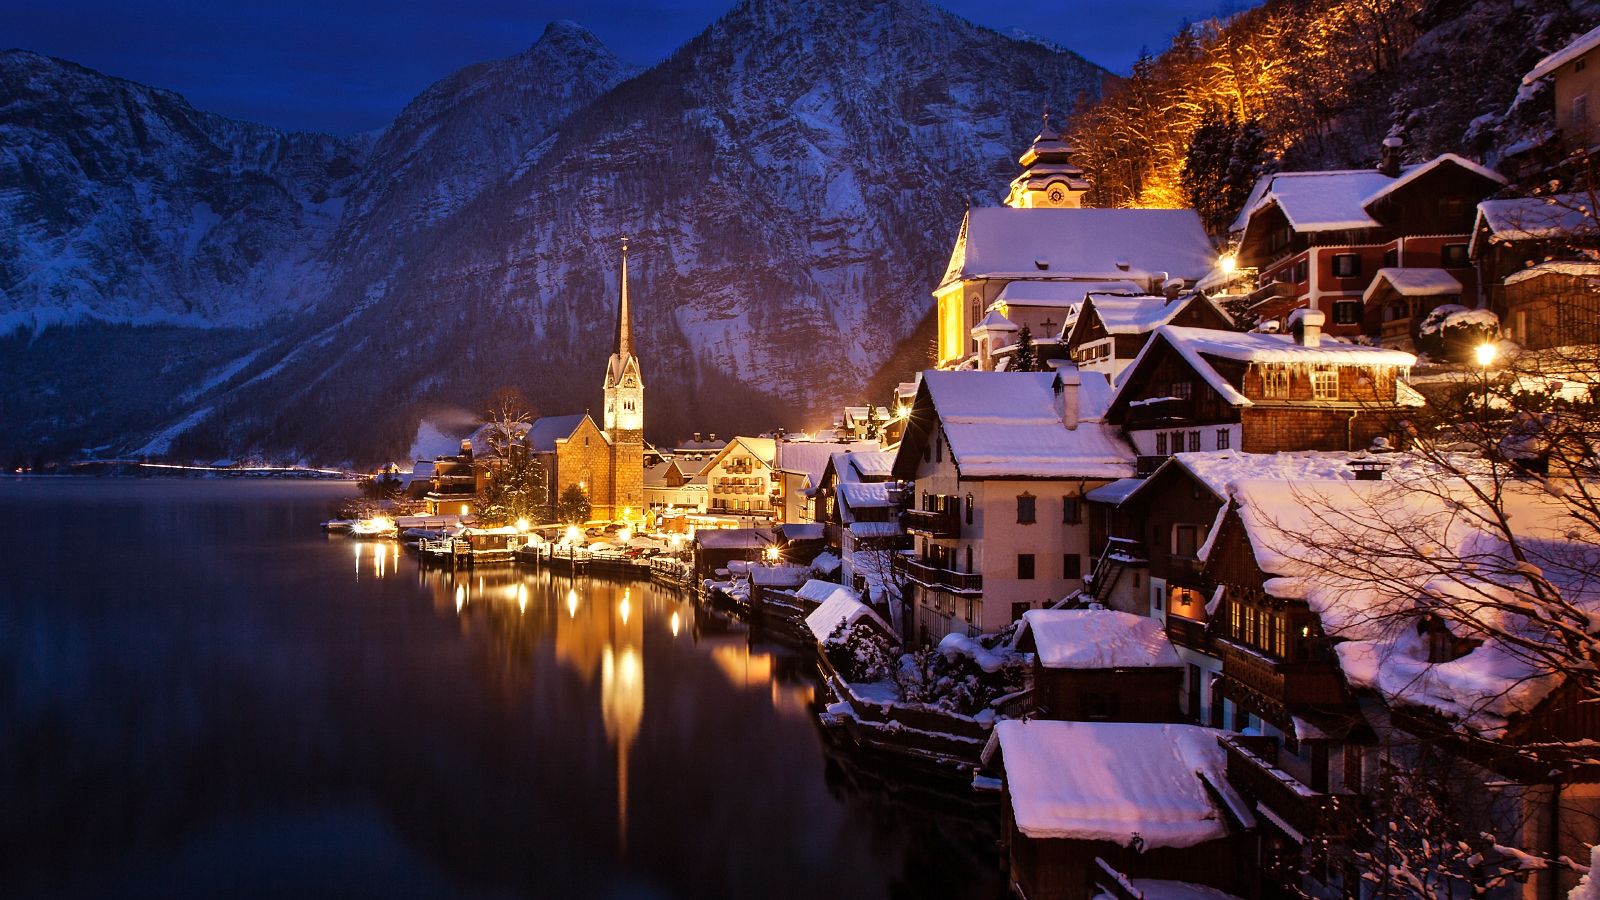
x: 1100, y: 665
x: 1194, y: 389
x: 1318, y: 239
x: 1514, y: 235
x: 1111, y: 329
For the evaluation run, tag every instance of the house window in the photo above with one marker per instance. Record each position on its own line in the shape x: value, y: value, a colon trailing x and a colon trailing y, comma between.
x: 1186, y: 540
x: 1100, y: 707
x: 1071, y: 511
x: 1347, y: 312
x: 969, y: 515
x: 969, y: 559
x: 1161, y: 443
x: 1071, y: 565
x: 1302, y: 270
x: 1275, y: 381
x: 1222, y: 438
x: 1181, y: 390
x: 1346, y: 265
x: 1025, y: 566
x: 1017, y: 609
x: 938, y: 449
x: 1025, y: 509
x: 1454, y: 256
x: 1325, y: 382
x: 1177, y: 442
x: 1391, y: 258
x: 1580, y: 110
x: 1194, y: 442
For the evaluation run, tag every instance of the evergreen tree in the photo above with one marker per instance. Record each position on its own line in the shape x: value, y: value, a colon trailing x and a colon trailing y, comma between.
x: 573, y: 508
x: 1224, y: 160
x: 1026, y: 358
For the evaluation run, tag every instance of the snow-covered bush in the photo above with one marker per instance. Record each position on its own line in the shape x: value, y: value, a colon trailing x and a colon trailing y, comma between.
x: 860, y: 653
x: 1451, y: 331
x: 961, y: 675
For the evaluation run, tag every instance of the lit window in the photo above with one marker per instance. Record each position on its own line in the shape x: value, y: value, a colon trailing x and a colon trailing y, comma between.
x: 1325, y: 382
x: 1275, y: 381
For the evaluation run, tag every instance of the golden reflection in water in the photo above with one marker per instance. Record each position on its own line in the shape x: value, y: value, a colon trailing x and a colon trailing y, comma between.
x: 675, y: 623
x: 522, y: 599
x: 622, y: 710
x: 461, y: 597
x: 572, y: 604
x: 625, y: 608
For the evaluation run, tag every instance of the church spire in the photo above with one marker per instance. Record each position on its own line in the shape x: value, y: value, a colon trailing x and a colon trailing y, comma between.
x: 624, y: 347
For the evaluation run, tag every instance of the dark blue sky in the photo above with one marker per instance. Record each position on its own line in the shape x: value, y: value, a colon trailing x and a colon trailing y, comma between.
x: 347, y: 67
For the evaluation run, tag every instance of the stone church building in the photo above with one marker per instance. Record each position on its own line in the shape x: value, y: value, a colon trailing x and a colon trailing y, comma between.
x: 605, y: 459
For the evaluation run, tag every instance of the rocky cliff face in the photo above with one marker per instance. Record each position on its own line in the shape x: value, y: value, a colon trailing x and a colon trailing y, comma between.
x: 791, y: 181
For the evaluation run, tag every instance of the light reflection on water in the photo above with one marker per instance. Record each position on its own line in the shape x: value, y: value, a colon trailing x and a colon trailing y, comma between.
x: 222, y: 699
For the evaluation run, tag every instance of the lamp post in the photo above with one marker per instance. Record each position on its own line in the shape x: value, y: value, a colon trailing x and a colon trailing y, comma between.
x: 1484, y: 354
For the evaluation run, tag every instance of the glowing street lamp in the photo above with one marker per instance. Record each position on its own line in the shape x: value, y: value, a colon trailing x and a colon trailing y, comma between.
x: 1228, y: 263
x: 1485, y: 354
x: 522, y: 525
x: 772, y: 554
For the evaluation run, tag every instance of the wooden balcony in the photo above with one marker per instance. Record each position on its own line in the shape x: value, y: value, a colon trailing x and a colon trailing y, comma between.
x: 929, y: 575
x: 944, y: 523
x: 1158, y: 410
x: 1280, y: 683
x: 1189, y: 633
x: 1253, y: 771
x: 1277, y: 290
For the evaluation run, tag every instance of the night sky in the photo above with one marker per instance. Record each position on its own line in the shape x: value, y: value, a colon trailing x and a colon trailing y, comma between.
x: 350, y: 67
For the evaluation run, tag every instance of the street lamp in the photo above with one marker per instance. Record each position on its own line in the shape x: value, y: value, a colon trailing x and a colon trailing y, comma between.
x: 1485, y: 354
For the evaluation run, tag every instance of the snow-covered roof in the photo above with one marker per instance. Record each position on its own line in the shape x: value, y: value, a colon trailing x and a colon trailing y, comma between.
x: 1578, y: 267
x: 994, y: 321
x: 1535, y: 218
x: 870, y: 463
x: 817, y: 590
x: 779, y: 576
x: 864, y: 495
x: 1115, y: 492
x: 1010, y: 424
x: 1569, y: 53
x: 1113, y: 781
x: 1163, y: 889
x: 1093, y: 244
x: 875, y: 529
x: 1302, y: 532
x: 1218, y: 470
x: 1060, y: 293
x: 802, y: 531
x: 1317, y: 201
x: 1098, y: 639
x: 1415, y: 283
x: 840, y: 608
x: 1134, y: 315
x: 547, y: 430
x: 810, y: 458
x: 1338, y: 200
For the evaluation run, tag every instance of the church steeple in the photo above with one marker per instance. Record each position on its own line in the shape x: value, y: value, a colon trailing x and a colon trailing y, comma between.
x: 624, y: 345
x: 1048, y: 179
x: 624, y: 387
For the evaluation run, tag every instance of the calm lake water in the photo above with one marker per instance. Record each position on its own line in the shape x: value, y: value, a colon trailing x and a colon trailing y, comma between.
x: 202, y: 695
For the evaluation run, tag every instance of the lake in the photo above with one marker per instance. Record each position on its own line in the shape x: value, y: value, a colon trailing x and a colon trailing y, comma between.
x: 202, y: 695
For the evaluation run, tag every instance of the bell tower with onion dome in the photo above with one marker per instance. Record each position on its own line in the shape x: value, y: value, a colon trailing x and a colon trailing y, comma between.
x: 1049, y: 180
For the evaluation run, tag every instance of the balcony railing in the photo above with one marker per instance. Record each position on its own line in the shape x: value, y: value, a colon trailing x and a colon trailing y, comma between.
x: 1278, y: 682
x: 944, y: 523
x: 1186, y: 632
x: 1277, y: 290
x: 1253, y: 771
x: 1160, y: 409
x: 927, y: 574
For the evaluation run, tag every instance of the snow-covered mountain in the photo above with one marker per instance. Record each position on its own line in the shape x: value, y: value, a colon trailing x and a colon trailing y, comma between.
x: 791, y: 181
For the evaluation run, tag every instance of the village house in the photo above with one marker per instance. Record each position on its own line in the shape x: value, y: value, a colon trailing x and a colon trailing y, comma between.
x: 1194, y: 389
x: 1149, y: 799
x: 861, y: 510
x: 1100, y: 665
x: 453, y: 485
x: 1553, y: 235
x: 1574, y: 73
x: 1305, y: 628
x: 1318, y: 239
x: 1398, y: 300
x: 743, y: 481
x: 800, y: 465
x: 995, y: 466
x: 672, y: 485
x: 1034, y: 259
x: 1110, y: 329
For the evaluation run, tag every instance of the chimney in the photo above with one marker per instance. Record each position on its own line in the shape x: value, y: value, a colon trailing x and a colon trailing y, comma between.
x: 1307, y: 326
x: 697, y: 437
x: 713, y: 437
x: 1389, y: 156
x: 1066, y: 388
